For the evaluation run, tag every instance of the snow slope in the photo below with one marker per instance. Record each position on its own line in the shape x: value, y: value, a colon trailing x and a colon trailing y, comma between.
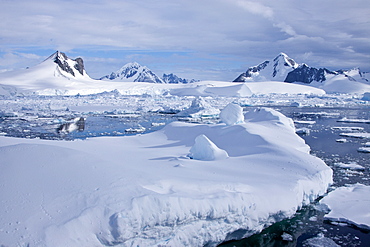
x: 143, y: 190
x: 56, y: 73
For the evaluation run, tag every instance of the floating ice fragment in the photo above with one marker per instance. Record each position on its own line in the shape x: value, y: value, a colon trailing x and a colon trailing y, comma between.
x: 287, y: 237
x: 349, y: 204
x: 205, y: 149
x: 303, y: 131
x: 347, y: 120
x: 356, y: 135
x: 199, y: 108
x: 232, y: 114
x: 364, y: 149
x: 139, y: 129
x: 320, y: 241
x: 351, y: 166
x: 73, y: 125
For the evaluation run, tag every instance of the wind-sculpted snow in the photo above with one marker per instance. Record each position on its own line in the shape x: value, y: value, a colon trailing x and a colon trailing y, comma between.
x: 144, y: 190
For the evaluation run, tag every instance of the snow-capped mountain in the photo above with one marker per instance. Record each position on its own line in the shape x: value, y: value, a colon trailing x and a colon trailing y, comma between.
x: 275, y: 70
x: 285, y: 69
x: 56, y: 72
x: 171, y: 78
x: 133, y: 72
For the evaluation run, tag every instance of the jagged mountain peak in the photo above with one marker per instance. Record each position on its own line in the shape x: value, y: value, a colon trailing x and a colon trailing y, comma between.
x: 74, y: 67
x: 285, y: 60
x: 171, y: 78
x: 135, y: 72
x: 285, y: 69
x: 270, y: 70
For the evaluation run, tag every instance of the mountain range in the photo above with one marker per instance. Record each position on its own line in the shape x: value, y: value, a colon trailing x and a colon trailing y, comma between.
x: 283, y: 68
x: 59, y: 74
x: 135, y: 72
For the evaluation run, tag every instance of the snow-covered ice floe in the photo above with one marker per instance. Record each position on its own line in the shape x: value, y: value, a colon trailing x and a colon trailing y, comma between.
x: 352, y: 120
x: 144, y: 190
x: 320, y: 241
x: 350, y: 204
x: 356, y: 135
x: 351, y: 166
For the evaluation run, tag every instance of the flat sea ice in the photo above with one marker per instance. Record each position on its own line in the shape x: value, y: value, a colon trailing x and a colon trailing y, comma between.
x: 349, y: 204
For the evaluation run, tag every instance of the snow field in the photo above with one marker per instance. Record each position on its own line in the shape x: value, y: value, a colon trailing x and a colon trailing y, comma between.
x: 144, y: 190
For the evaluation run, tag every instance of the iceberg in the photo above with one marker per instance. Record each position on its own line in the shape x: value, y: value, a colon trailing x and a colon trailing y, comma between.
x: 143, y: 190
x: 199, y: 108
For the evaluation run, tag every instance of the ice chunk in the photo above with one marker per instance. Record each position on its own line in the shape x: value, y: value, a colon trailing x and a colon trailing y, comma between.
x: 351, y: 166
x: 364, y: 149
x: 232, y: 114
x: 287, y: 237
x: 199, y: 108
x: 350, y: 205
x: 320, y: 241
x: 205, y: 149
x: 356, y: 135
x: 73, y: 125
x: 303, y: 131
x: 366, y: 96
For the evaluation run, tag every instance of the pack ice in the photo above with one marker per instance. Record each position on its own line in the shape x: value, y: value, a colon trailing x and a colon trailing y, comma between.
x: 144, y: 190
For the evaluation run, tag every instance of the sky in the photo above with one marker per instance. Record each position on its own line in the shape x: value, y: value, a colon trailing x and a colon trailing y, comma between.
x: 194, y: 39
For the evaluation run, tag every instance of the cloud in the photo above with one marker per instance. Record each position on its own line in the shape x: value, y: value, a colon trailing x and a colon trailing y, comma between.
x: 242, y: 32
x: 256, y: 8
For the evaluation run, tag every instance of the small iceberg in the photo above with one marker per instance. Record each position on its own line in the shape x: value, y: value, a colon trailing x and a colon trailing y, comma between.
x: 199, y: 108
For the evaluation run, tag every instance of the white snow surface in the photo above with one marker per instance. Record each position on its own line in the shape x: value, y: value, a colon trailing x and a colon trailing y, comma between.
x: 350, y: 204
x: 143, y: 190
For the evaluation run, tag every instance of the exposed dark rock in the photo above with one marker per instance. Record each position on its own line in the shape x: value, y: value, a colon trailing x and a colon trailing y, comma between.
x: 171, y: 78
x: 61, y: 59
x: 307, y: 74
x: 79, y: 65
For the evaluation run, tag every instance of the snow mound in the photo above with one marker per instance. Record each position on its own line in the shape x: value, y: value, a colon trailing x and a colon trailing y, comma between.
x: 270, y: 115
x: 205, y: 149
x: 349, y: 204
x: 199, y: 108
x: 232, y: 114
